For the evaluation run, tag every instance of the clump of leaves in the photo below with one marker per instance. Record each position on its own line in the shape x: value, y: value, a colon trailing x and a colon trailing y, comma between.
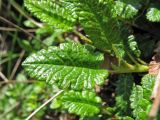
x: 76, y: 68
x: 22, y: 99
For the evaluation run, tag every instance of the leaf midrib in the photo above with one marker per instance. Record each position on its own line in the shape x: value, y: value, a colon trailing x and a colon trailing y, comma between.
x: 87, y: 67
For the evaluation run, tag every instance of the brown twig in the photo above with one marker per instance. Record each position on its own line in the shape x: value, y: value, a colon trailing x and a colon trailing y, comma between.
x: 23, y: 30
x: 15, y: 29
x: 16, y: 26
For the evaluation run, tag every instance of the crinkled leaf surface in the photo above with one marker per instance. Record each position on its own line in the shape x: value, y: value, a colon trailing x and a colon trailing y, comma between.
x: 58, y: 14
x: 31, y: 96
x: 140, y: 98
x: 123, y: 91
x: 83, y: 103
x: 106, y: 33
x: 136, y: 97
x: 71, y: 65
x: 133, y: 46
x: 153, y: 14
x: 147, y: 85
x: 124, y: 10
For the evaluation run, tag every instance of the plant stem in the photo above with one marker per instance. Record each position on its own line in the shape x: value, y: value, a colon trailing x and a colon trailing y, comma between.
x: 132, y: 58
x: 84, y: 38
x: 141, y: 61
x: 136, y: 61
x: 128, y: 68
x: 44, y: 104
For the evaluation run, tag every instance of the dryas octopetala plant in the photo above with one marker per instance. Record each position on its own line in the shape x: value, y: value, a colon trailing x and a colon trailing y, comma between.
x: 76, y: 68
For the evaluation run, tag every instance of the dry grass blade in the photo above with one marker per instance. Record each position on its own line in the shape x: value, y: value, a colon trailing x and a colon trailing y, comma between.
x: 16, y: 26
x: 44, y: 104
x: 3, y: 77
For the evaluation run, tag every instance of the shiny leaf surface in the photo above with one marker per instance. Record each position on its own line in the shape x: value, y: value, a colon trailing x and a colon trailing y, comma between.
x: 70, y: 65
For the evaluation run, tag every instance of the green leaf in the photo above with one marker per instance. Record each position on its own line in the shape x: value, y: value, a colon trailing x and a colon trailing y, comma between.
x: 133, y: 47
x: 83, y: 103
x: 56, y: 13
x: 136, y: 97
x: 53, y: 39
x: 123, y: 91
x: 26, y: 45
x: 21, y: 77
x: 29, y: 24
x: 153, y: 14
x: 71, y: 65
x: 104, y: 30
x: 45, y: 30
x: 147, y: 85
x: 140, y: 98
x: 124, y: 10
x: 55, y: 104
x: 31, y: 96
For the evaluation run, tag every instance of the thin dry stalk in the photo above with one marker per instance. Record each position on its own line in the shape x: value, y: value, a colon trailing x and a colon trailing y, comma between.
x: 44, y: 104
x: 3, y: 77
